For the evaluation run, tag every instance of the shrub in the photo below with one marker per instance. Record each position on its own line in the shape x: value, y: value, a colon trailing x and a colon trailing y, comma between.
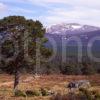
x: 78, y: 70
x: 56, y: 97
x: 97, y: 95
x: 19, y: 93
x: 69, y: 70
x: 86, y: 93
x: 44, y: 92
x: 88, y: 69
x: 32, y: 93
x: 70, y: 96
x: 94, y: 92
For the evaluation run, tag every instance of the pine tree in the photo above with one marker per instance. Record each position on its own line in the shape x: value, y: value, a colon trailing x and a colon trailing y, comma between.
x: 21, y: 31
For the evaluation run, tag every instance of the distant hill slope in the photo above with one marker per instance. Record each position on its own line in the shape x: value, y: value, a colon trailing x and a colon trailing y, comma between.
x: 84, y: 33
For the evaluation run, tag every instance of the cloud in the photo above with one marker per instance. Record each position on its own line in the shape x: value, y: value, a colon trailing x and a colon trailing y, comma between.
x: 81, y: 11
x: 77, y: 14
x: 22, y: 10
x: 56, y: 11
x: 3, y: 7
x: 88, y: 3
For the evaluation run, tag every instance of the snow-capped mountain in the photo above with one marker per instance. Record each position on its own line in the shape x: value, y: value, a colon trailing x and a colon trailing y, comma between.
x: 70, y: 28
x: 85, y: 33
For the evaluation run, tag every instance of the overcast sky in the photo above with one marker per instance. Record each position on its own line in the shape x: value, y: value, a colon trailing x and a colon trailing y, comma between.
x: 51, y: 12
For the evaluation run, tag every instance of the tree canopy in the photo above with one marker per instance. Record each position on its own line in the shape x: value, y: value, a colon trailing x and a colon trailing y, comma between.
x: 20, y: 29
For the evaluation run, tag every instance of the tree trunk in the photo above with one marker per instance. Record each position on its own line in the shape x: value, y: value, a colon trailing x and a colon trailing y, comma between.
x: 16, y: 81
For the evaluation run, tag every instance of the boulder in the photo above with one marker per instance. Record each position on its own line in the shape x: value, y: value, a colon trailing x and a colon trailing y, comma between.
x: 79, y: 84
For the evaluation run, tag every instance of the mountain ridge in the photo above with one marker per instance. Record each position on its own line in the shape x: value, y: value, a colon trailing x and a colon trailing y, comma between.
x: 70, y: 28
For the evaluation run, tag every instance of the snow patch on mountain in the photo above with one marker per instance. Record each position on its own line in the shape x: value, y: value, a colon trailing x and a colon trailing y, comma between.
x: 70, y: 28
x: 76, y: 26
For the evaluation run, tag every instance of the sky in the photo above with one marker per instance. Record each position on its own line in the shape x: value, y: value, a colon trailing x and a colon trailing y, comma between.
x: 51, y: 12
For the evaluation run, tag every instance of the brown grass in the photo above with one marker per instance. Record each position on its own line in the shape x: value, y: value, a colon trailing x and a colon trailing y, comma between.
x: 55, y: 83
